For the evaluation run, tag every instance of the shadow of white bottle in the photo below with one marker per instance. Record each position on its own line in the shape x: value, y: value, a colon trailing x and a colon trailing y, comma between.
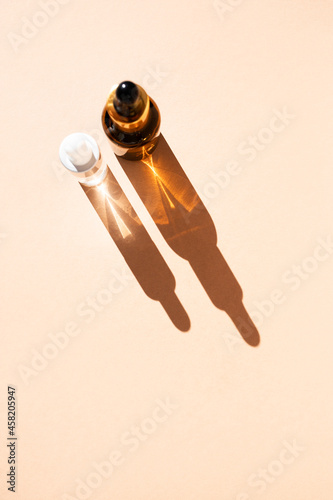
x: 80, y: 154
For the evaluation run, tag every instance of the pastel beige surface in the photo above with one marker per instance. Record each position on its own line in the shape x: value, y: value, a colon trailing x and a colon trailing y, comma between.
x: 241, y: 423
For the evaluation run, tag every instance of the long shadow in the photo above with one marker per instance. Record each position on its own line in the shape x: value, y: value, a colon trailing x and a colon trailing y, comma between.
x: 137, y: 248
x: 187, y: 227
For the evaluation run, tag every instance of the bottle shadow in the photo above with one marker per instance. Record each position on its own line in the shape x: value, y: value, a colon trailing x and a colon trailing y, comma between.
x: 187, y: 227
x: 137, y: 248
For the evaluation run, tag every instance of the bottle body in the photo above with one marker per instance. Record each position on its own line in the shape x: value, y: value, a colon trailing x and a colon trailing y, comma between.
x: 79, y: 153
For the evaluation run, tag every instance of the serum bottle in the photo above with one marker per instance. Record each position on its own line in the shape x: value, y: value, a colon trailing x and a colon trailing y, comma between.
x: 131, y: 120
x: 80, y: 154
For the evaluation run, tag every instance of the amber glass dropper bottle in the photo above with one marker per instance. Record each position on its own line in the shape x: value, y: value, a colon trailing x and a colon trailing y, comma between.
x: 131, y: 120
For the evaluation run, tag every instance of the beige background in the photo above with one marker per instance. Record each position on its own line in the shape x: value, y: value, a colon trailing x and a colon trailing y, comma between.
x: 217, y: 77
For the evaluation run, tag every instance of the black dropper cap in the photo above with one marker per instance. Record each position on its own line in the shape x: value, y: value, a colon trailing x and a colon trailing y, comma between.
x: 126, y: 99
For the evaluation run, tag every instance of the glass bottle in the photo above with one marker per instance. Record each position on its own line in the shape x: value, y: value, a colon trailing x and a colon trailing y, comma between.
x: 131, y: 120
